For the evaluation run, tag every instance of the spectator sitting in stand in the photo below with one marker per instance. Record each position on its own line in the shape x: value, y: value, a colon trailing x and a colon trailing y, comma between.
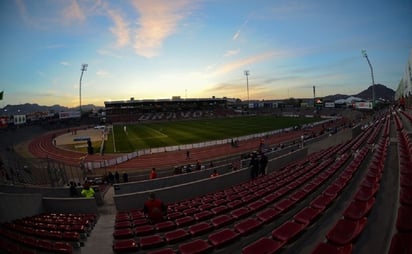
x: 153, y: 174
x: 154, y: 209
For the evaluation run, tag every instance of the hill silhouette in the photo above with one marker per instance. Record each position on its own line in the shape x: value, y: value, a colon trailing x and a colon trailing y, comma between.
x: 381, y: 93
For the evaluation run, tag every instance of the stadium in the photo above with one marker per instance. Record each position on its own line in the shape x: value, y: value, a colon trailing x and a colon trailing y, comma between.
x: 337, y: 180
x: 241, y: 127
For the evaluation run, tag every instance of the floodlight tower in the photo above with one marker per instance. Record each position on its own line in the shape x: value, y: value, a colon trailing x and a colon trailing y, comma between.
x: 373, y: 80
x: 246, y: 72
x: 83, y: 69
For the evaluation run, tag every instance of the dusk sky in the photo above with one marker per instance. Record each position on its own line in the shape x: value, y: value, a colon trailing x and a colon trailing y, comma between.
x: 156, y: 49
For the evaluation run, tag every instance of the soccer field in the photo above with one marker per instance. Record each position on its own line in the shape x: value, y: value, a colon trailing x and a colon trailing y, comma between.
x: 151, y: 135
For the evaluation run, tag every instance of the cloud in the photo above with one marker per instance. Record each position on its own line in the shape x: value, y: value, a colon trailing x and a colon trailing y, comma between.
x: 121, y: 28
x: 25, y: 16
x: 108, y: 53
x: 158, y: 20
x: 73, y: 12
x: 243, y: 62
x: 64, y: 63
x: 237, y: 34
x: 232, y: 52
x: 103, y: 73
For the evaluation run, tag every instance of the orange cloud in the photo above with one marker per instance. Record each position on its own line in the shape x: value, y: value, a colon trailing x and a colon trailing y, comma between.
x: 158, y: 20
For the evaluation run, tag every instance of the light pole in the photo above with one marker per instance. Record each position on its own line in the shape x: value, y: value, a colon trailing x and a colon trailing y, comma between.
x: 247, y: 85
x: 83, y: 69
x: 373, y: 80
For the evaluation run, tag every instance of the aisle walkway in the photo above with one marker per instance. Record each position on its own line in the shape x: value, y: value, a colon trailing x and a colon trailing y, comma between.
x: 101, y: 238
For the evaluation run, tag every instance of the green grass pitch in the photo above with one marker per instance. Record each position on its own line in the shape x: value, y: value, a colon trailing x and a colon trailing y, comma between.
x: 152, y: 135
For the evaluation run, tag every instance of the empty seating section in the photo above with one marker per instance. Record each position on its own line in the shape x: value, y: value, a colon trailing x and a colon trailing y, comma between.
x: 344, y: 233
x: 57, y: 233
x: 297, y: 195
x: 401, y: 240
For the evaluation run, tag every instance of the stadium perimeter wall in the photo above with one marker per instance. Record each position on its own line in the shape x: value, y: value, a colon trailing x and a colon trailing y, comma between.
x: 163, y: 182
x: 15, y: 206
x: 197, y: 188
x: 62, y: 192
x: 19, y: 205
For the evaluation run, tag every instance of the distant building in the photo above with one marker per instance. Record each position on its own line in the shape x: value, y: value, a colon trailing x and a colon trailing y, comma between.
x: 136, y: 110
x: 405, y: 85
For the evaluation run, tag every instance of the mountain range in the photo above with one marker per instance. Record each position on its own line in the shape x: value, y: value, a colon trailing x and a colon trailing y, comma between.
x: 381, y: 93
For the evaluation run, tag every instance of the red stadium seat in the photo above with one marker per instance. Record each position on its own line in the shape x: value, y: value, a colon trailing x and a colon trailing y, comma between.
x: 268, y: 215
x: 174, y: 215
x: 404, y: 220
x: 203, y: 215
x: 144, y: 230
x: 162, y: 251
x: 176, y: 236
x: 358, y: 209
x: 165, y: 226
x: 151, y: 241
x: 401, y: 243
x: 184, y: 221
x: 284, y: 204
x: 263, y: 245
x: 221, y: 221
x: 29, y: 241
x: 287, y: 231
x: 63, y: 248
x: 195, y: 246
x: 123, y: 224
x: 248, y: 225
x: 322, y: 201
x: 272, y: 197
x: 140, y: 222
x: 122, y: 233
x: 223, y: 237
x: 406, y: 196
x: 345, y: 231
x: 256, y: 205
x: 235, y: 204
x: 366, y: 193
x: 240, y: 212
x: 190, y: 211
x: 333, y: 190
x: 45, y: 245
x: 298, y: 195
x: 200, y: 228
x: 326, y: 248
x: 206, y: 207
x: 122, y: 217
x: 406, y: 180
x: 125, y: 246
x: 307, y: 215
x: 220, y: 209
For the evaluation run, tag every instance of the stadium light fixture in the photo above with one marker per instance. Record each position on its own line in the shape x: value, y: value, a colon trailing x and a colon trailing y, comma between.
x: 83, y: 69
x: 247, y: 73
x: 365, y: 55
